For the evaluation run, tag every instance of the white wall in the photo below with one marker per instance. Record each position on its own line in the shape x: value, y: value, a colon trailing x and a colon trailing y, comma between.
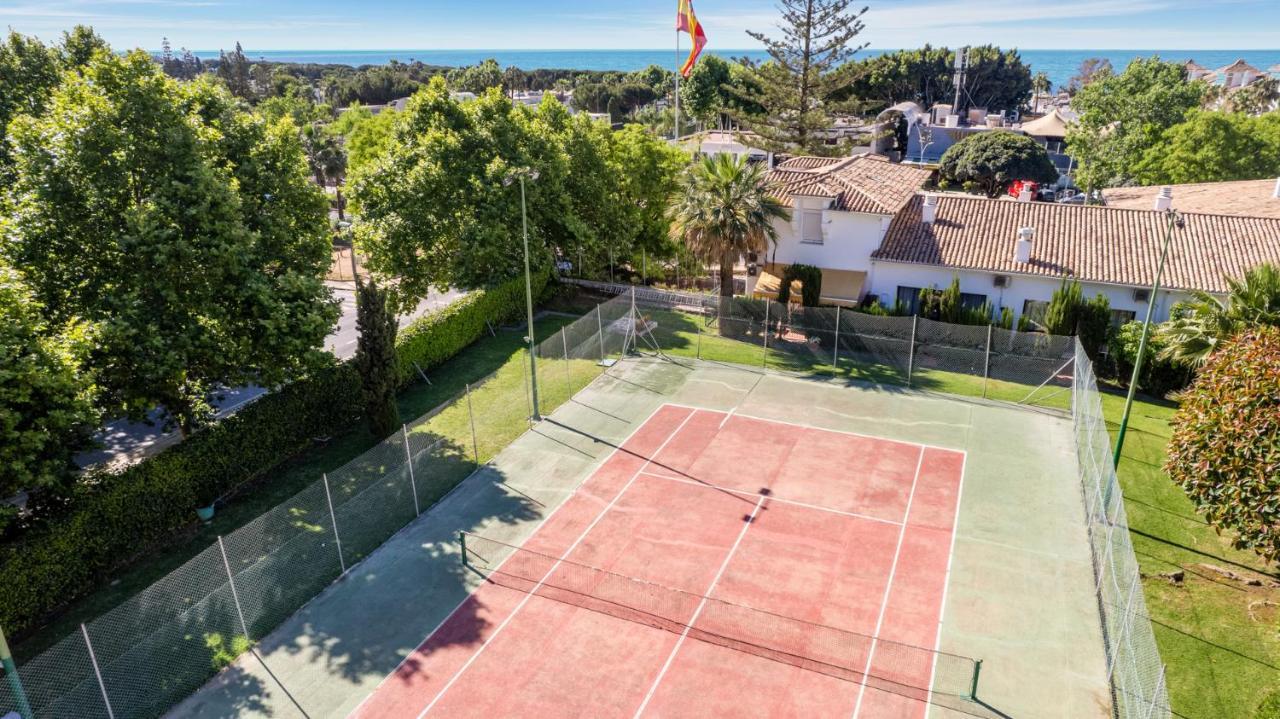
x: 886, y: 277
x: 849, y: 238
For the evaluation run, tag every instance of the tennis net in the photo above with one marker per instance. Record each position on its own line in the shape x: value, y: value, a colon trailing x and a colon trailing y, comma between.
x: 903, y: 669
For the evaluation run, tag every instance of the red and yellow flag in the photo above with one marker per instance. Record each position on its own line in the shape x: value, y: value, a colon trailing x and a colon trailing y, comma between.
x: 686, y: 21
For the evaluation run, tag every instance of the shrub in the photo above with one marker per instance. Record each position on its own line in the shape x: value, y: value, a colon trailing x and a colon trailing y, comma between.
x: 1225, y: 449
x: 1159, y: 376
x: 810, y: 284
x: 113, y: 516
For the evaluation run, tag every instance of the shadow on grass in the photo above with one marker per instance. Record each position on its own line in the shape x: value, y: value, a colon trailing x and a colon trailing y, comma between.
x: 1265, y: 572
x: 1217, y: 647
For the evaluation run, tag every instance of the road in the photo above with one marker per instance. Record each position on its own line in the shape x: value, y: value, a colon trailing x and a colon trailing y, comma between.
x: 124, y: 441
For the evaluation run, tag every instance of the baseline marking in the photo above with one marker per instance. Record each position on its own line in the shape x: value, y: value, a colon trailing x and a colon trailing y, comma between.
x: 563, y: 556
x: 884, y: 602
x: 707, y: 595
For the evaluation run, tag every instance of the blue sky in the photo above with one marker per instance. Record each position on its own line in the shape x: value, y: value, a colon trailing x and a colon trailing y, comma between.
x: 642, y: 24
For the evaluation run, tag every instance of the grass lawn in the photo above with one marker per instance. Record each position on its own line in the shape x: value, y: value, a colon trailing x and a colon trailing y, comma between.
x: 1219, y: 637
x: 496, y: 362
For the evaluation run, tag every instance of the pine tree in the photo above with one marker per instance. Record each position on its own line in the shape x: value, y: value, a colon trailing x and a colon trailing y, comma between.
x: 807, y: 71
x: 233, y: 68
x: 376, y: 358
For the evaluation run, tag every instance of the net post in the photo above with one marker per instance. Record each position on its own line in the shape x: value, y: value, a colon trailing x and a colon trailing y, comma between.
x: 986, y: 363
x: 973, y: 687
x: 14, y: 681
x: 911, y: 352
x: 471, y: 416
x: 333, y: 518
x: 231, y: 582
x: 568, y: 376
x: 408, y: 460
x: 97, y: 672
x: 524, y: 370
x: 462, y: 544
x: 835, y: 353
x: 764, y: 357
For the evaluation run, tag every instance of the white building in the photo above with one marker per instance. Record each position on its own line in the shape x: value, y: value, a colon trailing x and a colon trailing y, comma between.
x: 876, y: 236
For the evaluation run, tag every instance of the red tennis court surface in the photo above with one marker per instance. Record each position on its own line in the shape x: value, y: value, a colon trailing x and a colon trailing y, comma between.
x: 848, y: 532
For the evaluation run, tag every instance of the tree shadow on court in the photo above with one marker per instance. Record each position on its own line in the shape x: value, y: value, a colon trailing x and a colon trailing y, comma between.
x: 409, y: 581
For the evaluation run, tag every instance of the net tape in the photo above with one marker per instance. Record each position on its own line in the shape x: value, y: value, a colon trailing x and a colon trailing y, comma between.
x: 898, y: 668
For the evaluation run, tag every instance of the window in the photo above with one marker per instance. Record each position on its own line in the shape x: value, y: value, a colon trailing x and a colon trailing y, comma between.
x: 811, y: 227
x: 1034, y: 311
x: 971, y: 301
x: 1120, y: 317
x: 909, y: 299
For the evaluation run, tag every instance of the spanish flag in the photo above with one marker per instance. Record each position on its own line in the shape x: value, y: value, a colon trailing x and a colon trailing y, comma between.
x: 686, y: 21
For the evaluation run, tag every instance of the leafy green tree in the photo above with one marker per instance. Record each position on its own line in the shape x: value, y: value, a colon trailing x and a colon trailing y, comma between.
x: 1225, y: 448
x: 1062, y: 316
x: 1091, y: 70
x: 184, y: 229
x: 477, y: 78
x: 1041, y: 84
x: 1202, y: 325
x: 1122, y: 116
x: 592, y: 97
x: 1160, y: 375
x: 724, y: 209
x: 80, y: 45
x: 994, y: 160
x: 376, y: 358
x: 46, y: 408
x: 704, y: 95
x: 1213, y: 147
x: 803, y: 83
x: 996, y: 79
x: 658, y: 78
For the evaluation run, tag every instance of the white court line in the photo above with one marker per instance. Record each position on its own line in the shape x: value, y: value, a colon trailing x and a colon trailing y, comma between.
x: 946, y: 585
x: 705, y: 596
x: 617, y: 448
x: 884, y: 602
x: 563, y: 556
x: 774, y: 497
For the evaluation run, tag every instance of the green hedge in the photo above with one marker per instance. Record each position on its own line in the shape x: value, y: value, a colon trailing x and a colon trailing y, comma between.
x: 432, y: 339
x: 113, y: 516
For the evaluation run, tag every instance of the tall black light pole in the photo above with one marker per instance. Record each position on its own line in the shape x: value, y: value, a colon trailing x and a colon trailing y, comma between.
x: 1173, y: 219
x: 520, y: 175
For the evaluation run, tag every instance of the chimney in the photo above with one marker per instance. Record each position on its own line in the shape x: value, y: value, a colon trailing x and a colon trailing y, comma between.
x: 1022, y: 250
x: 929, y: 210
x: 1164, y: 199
x: 1024, y: 195
x: 1276, y: 192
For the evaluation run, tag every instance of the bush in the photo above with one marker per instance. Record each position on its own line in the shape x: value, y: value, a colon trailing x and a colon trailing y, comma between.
x: 113, y: 516
x: 810, y: 284
x: 1225, y: 449
x: 1159, y: 377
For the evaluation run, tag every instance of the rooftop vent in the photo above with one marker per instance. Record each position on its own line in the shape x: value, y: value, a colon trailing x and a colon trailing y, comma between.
x: 1164, y: 199
x: 929, y: 210
x: 1022, y: 250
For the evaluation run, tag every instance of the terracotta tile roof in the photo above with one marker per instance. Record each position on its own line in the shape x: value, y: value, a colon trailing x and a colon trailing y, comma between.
x: 864, y: 183
x: 1248, y: 198
x: 1091, y: 243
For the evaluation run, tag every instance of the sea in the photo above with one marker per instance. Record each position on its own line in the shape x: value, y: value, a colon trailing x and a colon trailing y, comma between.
x: 1060, y: 65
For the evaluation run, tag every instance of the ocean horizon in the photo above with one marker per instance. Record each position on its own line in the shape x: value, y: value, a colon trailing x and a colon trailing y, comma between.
x: 1060, y: 65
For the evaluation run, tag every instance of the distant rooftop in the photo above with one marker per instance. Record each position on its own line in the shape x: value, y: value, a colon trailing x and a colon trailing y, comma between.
x: 1246, y: 198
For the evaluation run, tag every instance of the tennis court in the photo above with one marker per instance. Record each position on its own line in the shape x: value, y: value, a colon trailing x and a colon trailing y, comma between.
x: 712, y: 565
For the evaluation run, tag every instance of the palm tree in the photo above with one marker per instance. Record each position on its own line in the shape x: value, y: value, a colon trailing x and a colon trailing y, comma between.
x: 723, y: 209
x: 1201, y: 325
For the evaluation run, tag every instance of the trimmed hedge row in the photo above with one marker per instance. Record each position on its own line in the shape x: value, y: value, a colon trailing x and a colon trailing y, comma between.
x: 432, y: 339
x: 115, y: 515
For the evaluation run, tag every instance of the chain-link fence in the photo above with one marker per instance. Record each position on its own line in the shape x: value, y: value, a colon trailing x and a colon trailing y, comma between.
x: 1133, y: 661
x: 912, y: 351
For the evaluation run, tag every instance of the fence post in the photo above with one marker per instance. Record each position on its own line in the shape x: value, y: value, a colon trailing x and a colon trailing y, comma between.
x: 471, y: 415
x: 764, y: 359
x: 698, y: 326
x: 342, y: 562
x: 93, y: 659
x: 835, y: 353
x: 231, y: 582
x: 986, y: 363
x: 911, y: 353
x: 600, y: 330
x: 973, y: 688
x: 568, y: 376
x: 408, y: 458
x: 15, y: 682
x: 462, y: 544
